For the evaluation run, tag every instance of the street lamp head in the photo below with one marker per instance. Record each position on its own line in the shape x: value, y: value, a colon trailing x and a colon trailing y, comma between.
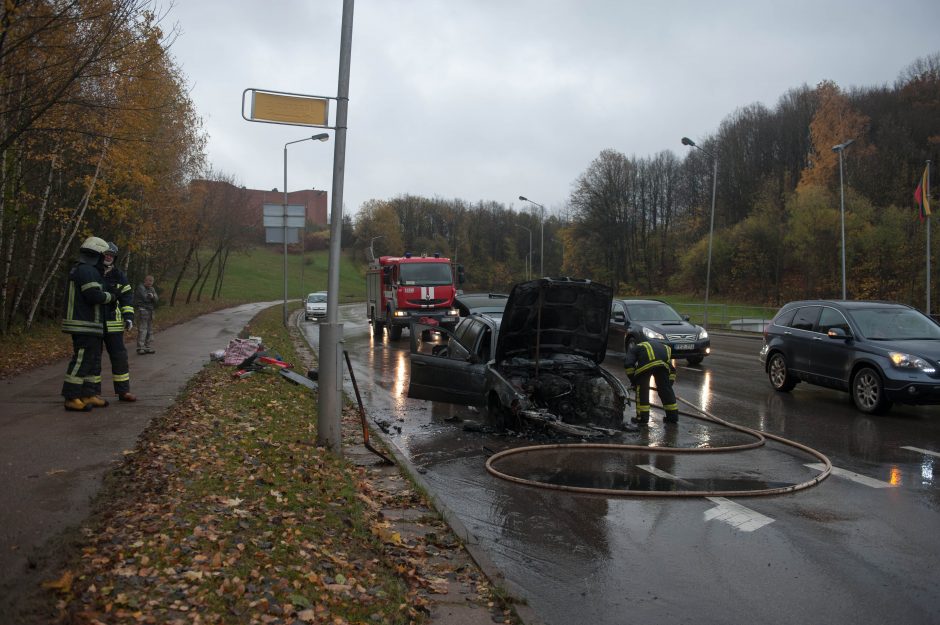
x: 323, y: 136
x: 843, y: 145
x: 687, y: 141
x: 523, y: 198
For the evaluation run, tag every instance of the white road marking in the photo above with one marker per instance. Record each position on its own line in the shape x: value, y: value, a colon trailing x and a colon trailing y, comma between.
x: 922, y: 451
x: 736, y: 515
x: 855, y: 477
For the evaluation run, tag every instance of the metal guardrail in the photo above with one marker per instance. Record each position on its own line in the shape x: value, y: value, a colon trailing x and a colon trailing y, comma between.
x: 729, y: 317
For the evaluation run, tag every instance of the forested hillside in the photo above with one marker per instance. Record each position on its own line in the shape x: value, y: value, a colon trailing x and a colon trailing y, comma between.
x: 641, y: 223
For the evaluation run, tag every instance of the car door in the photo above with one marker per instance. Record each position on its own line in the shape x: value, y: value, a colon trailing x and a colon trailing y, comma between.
x: 832, y: 357
x: 617, y: 331
x: 451, y: 372
x: 800, y: 338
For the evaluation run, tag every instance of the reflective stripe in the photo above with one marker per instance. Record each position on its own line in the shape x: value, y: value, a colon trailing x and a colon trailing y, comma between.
x: 78, y: 364
x: 124, y: 377
x: 670, y: 407
x: 73, y: 380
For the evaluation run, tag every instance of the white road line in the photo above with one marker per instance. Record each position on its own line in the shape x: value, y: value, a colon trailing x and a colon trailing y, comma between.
x: 855, y: 477
x: 922, y: 451
x: 736, y: 515
x: 660, y: 473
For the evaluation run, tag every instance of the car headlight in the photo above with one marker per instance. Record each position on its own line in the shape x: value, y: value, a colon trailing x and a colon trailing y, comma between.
x: 702, y: 334
x: 453, y: 312
x: 907, y: 361
x: 653, y: 334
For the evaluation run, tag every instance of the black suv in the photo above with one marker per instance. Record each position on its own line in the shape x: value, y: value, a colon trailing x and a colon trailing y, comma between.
x: 880, y: 352
x: 635, y: 320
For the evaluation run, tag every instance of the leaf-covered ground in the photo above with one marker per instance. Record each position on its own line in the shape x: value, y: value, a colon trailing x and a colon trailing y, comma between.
x: 228, y: 512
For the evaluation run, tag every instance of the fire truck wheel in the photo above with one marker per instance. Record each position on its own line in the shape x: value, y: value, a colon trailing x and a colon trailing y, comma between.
x: 394, y: 332
x: 377, y: 327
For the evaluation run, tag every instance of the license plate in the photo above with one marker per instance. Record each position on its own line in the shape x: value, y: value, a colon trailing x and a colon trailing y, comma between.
x: 685, y: 347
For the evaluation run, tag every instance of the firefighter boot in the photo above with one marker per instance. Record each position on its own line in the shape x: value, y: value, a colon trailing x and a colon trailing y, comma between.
x: 671, y: 417
x: 77, y: 405
x: 95, y: 401
x: 641, y: 420
x: 127, y: 396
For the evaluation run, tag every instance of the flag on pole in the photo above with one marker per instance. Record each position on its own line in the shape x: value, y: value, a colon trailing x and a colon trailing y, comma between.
x: 922, y: 194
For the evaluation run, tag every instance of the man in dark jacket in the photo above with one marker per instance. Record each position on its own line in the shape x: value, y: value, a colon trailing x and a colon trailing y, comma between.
x: 145, y: 301
x: 84, y: 320
x: 119, y: 316
x: 652, y: 360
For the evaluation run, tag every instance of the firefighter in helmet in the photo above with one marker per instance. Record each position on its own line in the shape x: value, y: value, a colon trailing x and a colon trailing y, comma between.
x: 118, y: 317
x: 646, y: 361
x: 85, y: 298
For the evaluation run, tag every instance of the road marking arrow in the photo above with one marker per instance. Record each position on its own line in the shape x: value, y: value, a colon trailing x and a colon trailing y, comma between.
x: 736, y: 515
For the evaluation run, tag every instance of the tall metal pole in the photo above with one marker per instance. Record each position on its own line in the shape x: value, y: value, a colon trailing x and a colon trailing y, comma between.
x: 842, y: 219
x: 711, y: 234
x: 541, y: 234
x: 926, y: 200
x: 528, y: 272
x: 331, y: 333
x: 285, y: 234
x: 711, y: 227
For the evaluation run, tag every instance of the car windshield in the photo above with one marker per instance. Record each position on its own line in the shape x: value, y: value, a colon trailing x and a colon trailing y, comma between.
x: 315, y: 298
x: 426, y: 274
x: 887, y: 324
x: 652, y: 311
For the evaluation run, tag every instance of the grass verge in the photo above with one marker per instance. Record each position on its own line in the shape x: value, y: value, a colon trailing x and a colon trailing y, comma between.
x: 226, y: 511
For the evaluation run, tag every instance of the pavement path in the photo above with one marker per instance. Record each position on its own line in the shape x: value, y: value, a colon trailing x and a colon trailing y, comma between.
x: 52, y: 461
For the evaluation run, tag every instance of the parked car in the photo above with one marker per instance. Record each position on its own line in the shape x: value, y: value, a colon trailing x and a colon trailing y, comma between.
x: 635, y: 320
x: 536, y: 364
x: 880, y: 352
x: 486, y: 303
x: 315, y: 306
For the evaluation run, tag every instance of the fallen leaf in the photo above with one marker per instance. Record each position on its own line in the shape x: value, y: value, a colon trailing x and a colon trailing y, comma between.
x: 63, y: 584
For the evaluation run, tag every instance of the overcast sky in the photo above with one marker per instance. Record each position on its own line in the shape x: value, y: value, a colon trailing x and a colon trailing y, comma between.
x: 492, y: 99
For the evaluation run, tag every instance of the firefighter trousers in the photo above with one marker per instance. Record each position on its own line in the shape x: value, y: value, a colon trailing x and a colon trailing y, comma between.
x: 120, y: 369
x: 663, y: 387
x: 83, y: 376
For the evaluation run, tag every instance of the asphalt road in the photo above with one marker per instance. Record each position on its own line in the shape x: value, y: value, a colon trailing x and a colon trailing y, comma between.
x: 860, y: 547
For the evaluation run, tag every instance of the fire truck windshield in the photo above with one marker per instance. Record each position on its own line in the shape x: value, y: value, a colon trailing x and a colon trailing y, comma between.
x: 425, y: 274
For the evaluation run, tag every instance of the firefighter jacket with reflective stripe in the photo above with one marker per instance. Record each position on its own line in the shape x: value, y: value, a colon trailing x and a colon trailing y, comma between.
x: 84, y: 296
x: 647, y: 356
x: 116, y: 312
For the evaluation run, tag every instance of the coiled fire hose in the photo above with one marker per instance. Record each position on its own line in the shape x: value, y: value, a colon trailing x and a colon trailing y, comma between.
x: 704, y: 415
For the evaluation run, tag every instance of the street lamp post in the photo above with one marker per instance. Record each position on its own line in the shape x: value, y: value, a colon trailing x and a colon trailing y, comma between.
x: 320, y: 137
x: 371, y: 251
x: 841, y: 148
x: 528, y: 272
x: 711, y: 226
x: 541, y: 234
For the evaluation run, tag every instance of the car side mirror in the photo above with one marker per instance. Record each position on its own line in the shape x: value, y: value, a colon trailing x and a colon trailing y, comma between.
x: 838, y: 333
x: 686, y: 318
x: 619, y: 317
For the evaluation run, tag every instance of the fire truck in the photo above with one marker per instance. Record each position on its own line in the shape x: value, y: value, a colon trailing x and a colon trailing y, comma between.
x: 402, y: 289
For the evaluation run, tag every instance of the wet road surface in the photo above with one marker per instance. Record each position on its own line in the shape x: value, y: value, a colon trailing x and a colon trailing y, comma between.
x: 860, y: 547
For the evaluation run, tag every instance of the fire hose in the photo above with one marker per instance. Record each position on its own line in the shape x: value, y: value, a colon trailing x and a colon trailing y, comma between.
x: 704, y: 415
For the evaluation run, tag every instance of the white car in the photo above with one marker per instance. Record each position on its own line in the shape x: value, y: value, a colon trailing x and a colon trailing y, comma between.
x: 315, y: 306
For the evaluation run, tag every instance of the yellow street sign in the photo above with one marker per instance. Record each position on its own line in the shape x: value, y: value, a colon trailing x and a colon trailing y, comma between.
x: 297, y: 110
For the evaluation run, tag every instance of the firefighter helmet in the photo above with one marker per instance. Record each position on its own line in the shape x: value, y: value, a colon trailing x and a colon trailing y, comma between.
x: 95, y: 245
x: 112, y: 248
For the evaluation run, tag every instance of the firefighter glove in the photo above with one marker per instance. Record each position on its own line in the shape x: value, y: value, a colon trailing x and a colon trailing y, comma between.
x: 128, y: 324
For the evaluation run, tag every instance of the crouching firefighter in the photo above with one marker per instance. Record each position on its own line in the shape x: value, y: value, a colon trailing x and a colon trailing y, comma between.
x: 652, y: 360
x: 85, y: 296
x: 119, y: 316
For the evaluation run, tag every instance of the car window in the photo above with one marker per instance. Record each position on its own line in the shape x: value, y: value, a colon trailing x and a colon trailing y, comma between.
x: 652, y: 311
x: 895, y: 324
x: 805, y: 318
x: 314, y: 298
x: 615, y: 308
x: 831, y: 318
x: 785, y: 318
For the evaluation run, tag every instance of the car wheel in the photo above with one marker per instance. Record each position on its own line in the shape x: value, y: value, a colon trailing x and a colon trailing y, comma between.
x: 868, y: 392
x: 631, y: 343
x: 779, y: 374
x: 695, y: 360
x: 394, y: 331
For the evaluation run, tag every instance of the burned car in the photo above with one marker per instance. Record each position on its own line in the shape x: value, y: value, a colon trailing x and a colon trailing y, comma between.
x: 539, y: 364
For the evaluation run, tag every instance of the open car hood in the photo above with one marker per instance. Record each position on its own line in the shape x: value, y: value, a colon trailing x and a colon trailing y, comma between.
x: 555, y: 316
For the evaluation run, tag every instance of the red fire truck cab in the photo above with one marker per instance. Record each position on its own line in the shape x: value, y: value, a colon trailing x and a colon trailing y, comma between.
x: 402, y: 289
